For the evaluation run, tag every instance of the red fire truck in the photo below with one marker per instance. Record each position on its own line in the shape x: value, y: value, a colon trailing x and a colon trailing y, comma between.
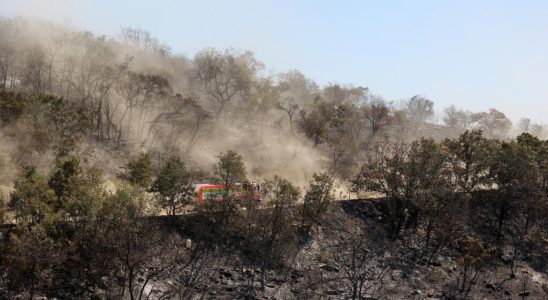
x: 215, y: 192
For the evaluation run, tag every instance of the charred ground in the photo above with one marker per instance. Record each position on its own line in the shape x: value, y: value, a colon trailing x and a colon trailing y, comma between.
x: 101, y: 135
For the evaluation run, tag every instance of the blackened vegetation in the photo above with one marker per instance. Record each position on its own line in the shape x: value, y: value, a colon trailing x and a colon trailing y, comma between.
x: 447, y: 209
x: 461, y: 217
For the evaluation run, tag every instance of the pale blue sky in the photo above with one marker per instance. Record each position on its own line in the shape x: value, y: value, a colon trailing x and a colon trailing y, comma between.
x: 474, y: 54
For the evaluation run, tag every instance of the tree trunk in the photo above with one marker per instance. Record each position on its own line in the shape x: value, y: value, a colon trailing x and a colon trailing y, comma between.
x: 130, y: 284
x: 220, y: 109
x: 263, y: 275
x: 502, y: 216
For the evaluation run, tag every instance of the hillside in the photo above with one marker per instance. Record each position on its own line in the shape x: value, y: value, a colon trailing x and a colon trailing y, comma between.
x: 105, y: 140
x: 321, y: 265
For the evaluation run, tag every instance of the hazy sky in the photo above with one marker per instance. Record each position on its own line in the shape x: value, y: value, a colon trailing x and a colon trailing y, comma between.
x: 474, y: 54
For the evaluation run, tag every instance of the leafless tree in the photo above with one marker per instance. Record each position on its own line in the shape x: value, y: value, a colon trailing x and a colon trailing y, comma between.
x: 360, y: 264
x: 376, y: 112
x: 224, y: 75
x: 290, y: 107
x: 182, y: 116
x: 195, y: 268
x: 524, y: 125
x: 9, y: 30
x: 456, y: 119
x: 419, y: 109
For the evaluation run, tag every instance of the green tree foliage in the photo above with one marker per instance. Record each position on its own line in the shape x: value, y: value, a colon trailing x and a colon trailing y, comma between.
x: 53, y: 123
x: 32, y: 198
x: 30, y: 256
x: 470, y: 157
x: 88, y: 194
x: 74, y: 228
x: 539, y: 151
x: 387, y: 171
x: 77, y: 226
x: 32, y: 250
x: 122, y: 235
x: 272, y: 234
x: 429, y: 184
x: 173, y: 186
x: 140, y: 170
x: 65, y: 178
x: 67, y: 120
x: 417, y: 180
x: 317, y: 199
x: 314, y: 123
x: 432, y: 190
x: 229, y: 170
x: 11, y: 106
x: 337, y: 125
x: 519, y: 182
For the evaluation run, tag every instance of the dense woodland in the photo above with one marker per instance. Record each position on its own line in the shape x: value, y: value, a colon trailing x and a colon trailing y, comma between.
x: 101, y: 139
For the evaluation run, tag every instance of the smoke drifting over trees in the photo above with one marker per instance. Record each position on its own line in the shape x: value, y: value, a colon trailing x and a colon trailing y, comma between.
x: 132, y: 93
x: 100, y: 137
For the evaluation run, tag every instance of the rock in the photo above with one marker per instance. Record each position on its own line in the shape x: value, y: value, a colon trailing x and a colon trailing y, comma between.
x: 506, y: 257
x: 334, y: 292
x: 156, y: 291
x: 435, y: 275
x: 278, y: 280
x: 416, y: 293
x: 524, y: 294
x: 297, y: 274
x: 440, y: 294
x: 188, y: 243
x: 330, y: 268
x: 433, y: 294
x: 435, y: 263
x: 397, y: 274
x: 226, y: 273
